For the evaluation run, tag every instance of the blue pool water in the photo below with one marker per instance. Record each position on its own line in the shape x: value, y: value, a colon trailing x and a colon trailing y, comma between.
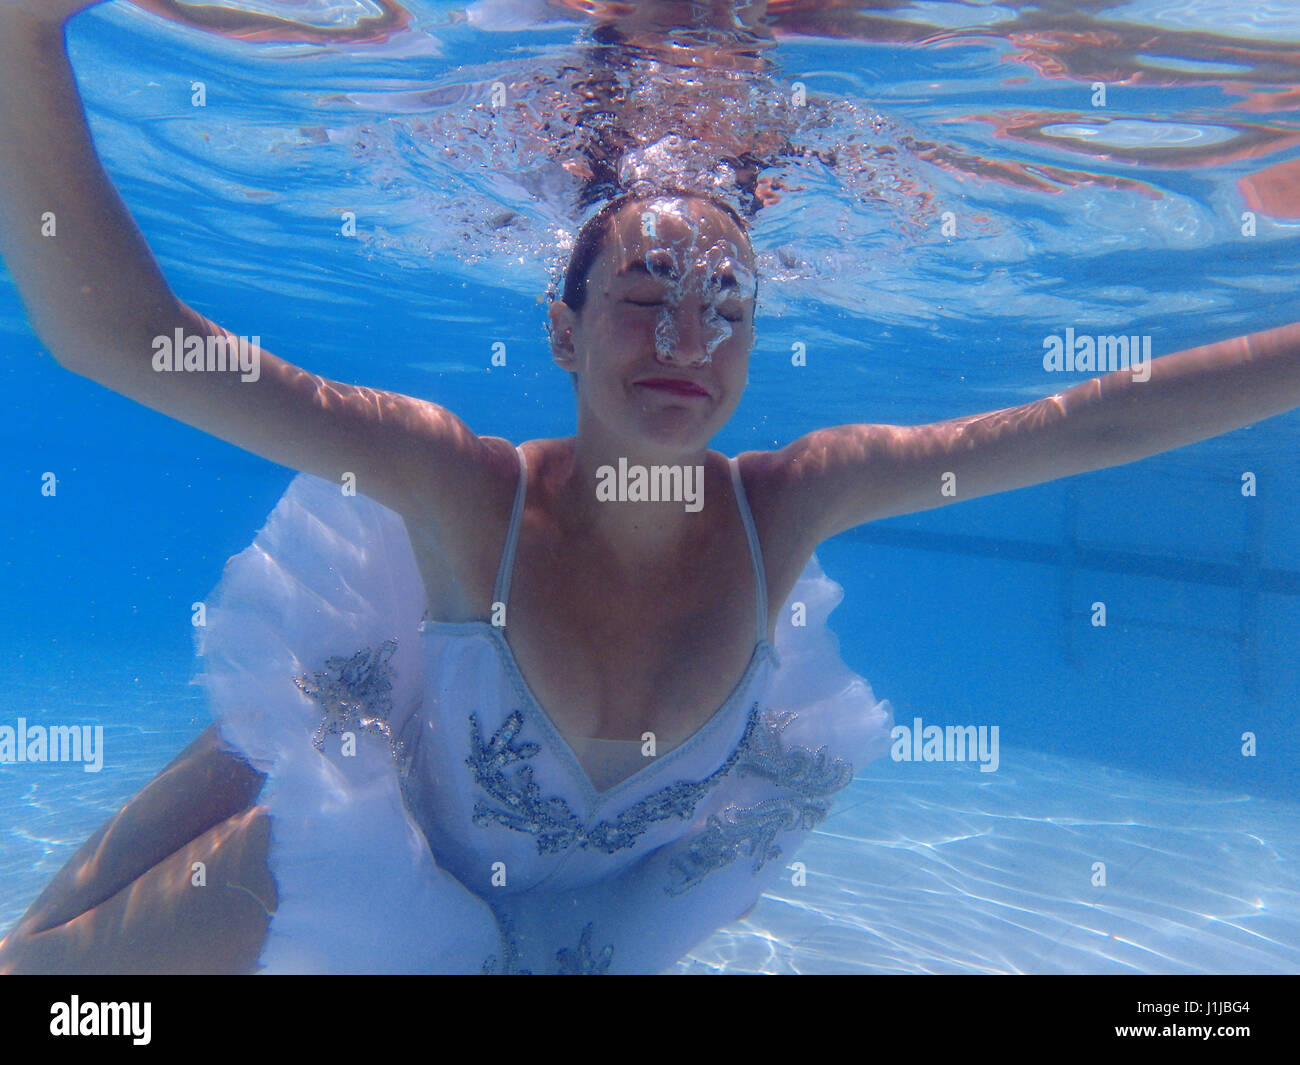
x: 1121, y: 744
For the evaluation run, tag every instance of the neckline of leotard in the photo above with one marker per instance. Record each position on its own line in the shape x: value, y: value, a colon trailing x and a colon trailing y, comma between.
x: 763, y: 652
x: 763, y: 649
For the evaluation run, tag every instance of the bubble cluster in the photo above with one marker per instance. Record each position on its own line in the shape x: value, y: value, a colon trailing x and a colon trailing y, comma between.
x: 690, y: 267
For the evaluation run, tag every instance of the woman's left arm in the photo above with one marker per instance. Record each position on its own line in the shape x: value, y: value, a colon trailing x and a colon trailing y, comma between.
x: 852, y: 474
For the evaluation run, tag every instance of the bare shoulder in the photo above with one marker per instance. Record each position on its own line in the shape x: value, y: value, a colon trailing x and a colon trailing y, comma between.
x: 457, y: 517
x: 474, y: 470
x: 786, y: 486
x: 835, y: 478
x: 785, y: 513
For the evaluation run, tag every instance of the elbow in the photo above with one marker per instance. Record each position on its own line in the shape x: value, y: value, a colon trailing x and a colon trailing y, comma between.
x: 95, y: 350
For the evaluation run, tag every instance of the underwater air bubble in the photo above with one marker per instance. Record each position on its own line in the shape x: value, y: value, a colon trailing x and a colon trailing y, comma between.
x: 694, y: 271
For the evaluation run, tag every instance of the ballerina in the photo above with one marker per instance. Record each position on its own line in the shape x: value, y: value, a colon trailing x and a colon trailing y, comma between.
x: 477, y: 715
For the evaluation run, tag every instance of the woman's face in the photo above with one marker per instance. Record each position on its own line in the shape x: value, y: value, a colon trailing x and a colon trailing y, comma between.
x: 661, y: 345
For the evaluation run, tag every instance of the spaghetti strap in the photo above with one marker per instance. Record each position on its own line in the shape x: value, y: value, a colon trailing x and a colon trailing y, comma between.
x: 755, y: 550
x: 501, y: 589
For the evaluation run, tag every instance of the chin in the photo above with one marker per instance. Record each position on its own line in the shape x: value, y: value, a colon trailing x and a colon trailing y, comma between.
x: 683, y: 435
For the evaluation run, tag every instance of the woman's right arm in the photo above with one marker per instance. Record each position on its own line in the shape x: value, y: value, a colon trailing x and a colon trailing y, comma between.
x: 98, y: 301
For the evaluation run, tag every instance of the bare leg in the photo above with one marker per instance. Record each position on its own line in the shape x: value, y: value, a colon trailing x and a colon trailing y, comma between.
x: 132, y: 900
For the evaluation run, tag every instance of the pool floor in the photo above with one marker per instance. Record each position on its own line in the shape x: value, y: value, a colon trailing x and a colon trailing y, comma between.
x: 941, y: 869
x: 919, y: 868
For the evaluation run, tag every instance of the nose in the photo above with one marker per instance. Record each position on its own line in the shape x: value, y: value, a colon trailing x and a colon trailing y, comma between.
x: 680, y: 336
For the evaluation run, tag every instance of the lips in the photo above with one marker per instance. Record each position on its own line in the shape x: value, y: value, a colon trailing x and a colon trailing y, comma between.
x: 674, y: 386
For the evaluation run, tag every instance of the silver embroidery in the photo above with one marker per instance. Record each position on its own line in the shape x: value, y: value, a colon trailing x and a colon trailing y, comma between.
x: 354, y: 694
x: 557, y: 828
x: 808, y: 781
x: 581, y: 962
x: 523, y: 809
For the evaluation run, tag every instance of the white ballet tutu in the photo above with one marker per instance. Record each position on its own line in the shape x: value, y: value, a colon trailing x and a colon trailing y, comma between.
x: 359, y: 888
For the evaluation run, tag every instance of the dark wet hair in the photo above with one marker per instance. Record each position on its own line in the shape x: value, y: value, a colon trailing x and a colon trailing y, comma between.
x: 591, y: 237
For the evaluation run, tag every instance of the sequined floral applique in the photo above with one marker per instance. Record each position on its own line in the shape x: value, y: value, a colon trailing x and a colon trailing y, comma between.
x: 807, y: 780
x: 521, y: 807
x: 581, y: 961
x: 354, y: 694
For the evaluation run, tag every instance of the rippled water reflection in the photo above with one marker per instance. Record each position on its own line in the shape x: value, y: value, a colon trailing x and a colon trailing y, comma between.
x: 477, y: 138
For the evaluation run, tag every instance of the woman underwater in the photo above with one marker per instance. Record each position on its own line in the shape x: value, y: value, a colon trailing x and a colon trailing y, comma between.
x: 607, y: 735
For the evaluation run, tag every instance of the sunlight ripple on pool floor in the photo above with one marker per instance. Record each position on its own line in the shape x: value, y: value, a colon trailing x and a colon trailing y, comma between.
x: 950, y: 871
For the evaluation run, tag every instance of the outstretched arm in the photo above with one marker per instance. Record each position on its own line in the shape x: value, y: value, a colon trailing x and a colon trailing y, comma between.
x: 851, y: 474
x: 97, y: 299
